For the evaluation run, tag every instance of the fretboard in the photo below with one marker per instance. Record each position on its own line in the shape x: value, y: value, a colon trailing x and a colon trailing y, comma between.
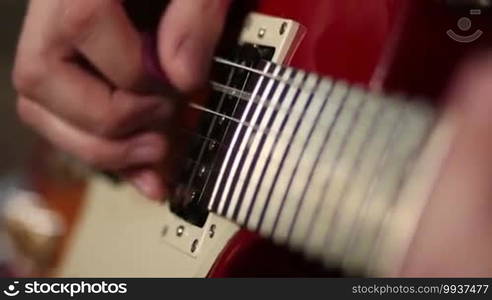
x: 326, y: 168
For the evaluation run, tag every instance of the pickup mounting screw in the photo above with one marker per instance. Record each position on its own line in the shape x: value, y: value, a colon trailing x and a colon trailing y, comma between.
x: 283, y: 28
x: 194, y: 246
x: 180, y: 230
x: 211, y: 231
x: 261, y: 33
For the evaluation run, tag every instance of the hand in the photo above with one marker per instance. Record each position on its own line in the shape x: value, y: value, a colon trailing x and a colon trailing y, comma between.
x: 105, y: 114
x: 455, y: 234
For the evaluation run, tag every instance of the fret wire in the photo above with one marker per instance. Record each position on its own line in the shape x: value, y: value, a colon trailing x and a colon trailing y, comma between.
x: 413, y: 168
x: 319, y: 202
x: 284, y: 166
x: 316, y: 162
x: 214, y: 162
x: 257, y: 117
x: 314, y: 127
x: 260, y: 142
x: 338, y: 102
x: 248, y: 194
x: 233, y: 142
x: 335, y: 169
x: 237, y: 156
x: 285, y: 148
x: 383, y: 170
x: 202, y: 150
x: 255, y: 214
x: 355, y: 168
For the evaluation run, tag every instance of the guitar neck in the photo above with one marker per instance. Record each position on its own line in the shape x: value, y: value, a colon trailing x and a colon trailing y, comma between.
x: 324, y: 167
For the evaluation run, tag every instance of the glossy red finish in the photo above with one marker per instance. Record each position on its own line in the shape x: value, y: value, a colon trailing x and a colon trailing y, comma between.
x: 390, y: 45
x: 248, y: 255
x: 345, y: 39
x: 424, y: 57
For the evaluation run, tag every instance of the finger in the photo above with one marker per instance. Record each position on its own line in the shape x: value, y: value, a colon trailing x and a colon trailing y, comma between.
x: 188, y: 36
x: 88, y: 102
x: 146, y: 149
x: 147, y: 181
x: 103, y: 33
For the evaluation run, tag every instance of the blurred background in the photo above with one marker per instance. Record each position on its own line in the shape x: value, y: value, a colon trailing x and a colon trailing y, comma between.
x: 15, y: 140
x: 24, y: 224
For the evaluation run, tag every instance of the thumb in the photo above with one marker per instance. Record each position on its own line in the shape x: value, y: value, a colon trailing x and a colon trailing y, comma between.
x: 187, y: 38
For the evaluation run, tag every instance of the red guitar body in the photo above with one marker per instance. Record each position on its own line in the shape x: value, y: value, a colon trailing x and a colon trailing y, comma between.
x: 388, y: 45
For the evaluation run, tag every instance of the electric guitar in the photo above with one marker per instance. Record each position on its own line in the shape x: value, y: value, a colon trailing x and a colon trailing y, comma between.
x: 307, y: 140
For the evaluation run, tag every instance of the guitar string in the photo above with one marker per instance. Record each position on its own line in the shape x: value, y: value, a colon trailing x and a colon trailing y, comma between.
x: 231, y: 92
x: 236, y: 106
x: 243, y: 96
x: 248, y: 97
x: 240, y: 95
x: 192, y: 178
x: 279, y: 79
